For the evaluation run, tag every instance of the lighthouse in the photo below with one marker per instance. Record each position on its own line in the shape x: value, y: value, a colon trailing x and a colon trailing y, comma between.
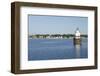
x: 77, y: 37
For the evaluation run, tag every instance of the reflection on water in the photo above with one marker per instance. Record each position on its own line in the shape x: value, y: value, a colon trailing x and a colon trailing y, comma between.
x: 49, y: 49
x: 77, y: 49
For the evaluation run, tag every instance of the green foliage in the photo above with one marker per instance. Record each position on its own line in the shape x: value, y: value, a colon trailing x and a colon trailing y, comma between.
x: 55, y: 36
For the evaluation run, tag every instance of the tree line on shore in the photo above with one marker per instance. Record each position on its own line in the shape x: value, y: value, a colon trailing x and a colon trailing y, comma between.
x: 55, y: 36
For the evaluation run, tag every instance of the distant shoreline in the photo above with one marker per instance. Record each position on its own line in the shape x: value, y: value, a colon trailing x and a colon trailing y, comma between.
x: 55, y: 36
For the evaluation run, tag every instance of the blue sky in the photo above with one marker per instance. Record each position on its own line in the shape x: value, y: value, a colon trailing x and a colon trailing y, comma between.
x: 39, y: 24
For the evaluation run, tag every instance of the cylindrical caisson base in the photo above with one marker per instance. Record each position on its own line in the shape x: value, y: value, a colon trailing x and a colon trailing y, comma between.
x: 76, y: 41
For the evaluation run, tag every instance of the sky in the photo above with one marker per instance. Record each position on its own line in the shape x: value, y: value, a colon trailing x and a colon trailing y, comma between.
x: 43, y: 24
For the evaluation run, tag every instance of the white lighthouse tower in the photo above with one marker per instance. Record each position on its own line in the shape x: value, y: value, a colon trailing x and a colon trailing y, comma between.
x: 77, y: 37
x: 77, y: 34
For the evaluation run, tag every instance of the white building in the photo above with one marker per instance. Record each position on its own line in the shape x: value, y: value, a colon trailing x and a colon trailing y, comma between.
x: 77, y: 34
x: 77, y: 37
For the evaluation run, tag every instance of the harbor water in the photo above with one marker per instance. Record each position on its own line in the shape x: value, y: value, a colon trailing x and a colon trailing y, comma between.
x: 51, y: 49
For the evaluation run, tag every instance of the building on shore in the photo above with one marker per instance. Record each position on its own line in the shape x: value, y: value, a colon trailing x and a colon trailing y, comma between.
x: 77, y: 37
